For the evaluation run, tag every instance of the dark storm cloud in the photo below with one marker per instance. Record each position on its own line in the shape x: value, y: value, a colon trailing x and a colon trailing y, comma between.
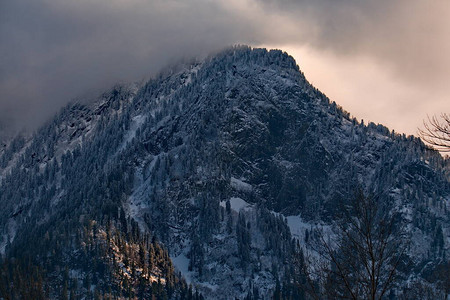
x: 52, y: 51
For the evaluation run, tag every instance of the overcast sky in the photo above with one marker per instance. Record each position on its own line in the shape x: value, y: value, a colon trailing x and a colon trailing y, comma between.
x: 385, y: 61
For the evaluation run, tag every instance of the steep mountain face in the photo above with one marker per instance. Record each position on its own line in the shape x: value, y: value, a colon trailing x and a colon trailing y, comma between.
x: 227, y: 163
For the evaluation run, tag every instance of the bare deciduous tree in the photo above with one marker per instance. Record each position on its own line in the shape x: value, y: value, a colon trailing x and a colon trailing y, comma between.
x: 361, y: 259
x: 436, y: 132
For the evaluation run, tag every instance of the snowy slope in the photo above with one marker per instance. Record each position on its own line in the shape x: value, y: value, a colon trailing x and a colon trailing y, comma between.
x: 225, y: 162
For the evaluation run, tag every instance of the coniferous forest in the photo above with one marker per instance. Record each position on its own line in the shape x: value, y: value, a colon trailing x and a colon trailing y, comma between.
x: 223, y: 178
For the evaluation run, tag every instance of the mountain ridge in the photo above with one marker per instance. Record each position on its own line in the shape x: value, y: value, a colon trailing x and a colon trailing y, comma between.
x: 210, y: 160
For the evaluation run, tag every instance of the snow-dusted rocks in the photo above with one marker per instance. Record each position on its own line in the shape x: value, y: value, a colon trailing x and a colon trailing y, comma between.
x: 226, y: 162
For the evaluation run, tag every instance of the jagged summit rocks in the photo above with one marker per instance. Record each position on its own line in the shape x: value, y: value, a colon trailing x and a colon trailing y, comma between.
x: 224, y: 164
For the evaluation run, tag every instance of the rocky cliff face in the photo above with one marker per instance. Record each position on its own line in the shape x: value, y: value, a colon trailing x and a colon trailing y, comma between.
x: 226, y: 162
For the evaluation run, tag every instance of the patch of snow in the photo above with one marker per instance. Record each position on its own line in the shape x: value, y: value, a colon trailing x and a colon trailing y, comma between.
x: 4, y: 239
x: 181, y: 263
x: 11, y: 234
x: 192, y: 71
x: 136, y: 122
x: 15, y: 159
x: 237, y: 204
x: 298, y: 227
x: 137, y: 203
x: 212, y: 287
x: 240, y: 185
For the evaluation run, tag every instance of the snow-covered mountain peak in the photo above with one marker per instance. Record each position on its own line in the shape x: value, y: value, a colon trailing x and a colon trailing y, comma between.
x: 228, y: 163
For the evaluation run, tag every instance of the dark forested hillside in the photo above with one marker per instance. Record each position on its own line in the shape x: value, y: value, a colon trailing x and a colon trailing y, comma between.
x: 215, y: 179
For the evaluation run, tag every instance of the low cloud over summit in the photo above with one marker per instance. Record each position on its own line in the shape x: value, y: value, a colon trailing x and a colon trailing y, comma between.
x: 53, y: 51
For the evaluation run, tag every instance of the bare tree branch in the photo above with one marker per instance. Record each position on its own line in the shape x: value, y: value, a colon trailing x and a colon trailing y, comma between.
x: 361, y: 261
x: 436, y: 132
